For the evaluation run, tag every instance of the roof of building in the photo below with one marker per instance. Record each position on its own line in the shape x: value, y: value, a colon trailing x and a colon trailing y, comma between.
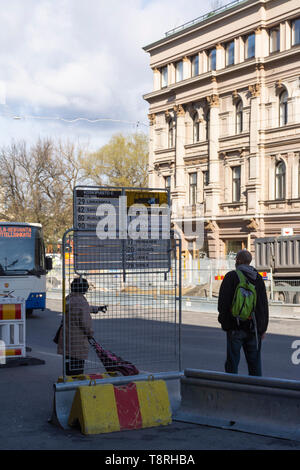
x: 197, y: 21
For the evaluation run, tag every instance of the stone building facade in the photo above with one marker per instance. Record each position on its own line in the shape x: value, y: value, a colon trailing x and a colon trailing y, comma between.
x: 224, y: 119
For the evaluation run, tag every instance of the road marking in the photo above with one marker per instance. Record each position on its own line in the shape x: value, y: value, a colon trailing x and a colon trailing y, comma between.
x: 48, y: 354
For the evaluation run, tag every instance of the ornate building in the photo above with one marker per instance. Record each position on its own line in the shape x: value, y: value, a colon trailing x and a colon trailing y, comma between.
x: 225, y: 121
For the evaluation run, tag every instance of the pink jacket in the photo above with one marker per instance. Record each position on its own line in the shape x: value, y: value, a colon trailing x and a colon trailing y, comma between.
x: 78, y: 323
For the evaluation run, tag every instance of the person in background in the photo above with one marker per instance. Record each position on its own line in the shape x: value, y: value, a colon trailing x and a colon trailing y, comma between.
x: 78, y: 323
x: 242, y: 334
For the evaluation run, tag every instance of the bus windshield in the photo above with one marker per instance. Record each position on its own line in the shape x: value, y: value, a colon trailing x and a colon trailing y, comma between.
x: 21, y: 250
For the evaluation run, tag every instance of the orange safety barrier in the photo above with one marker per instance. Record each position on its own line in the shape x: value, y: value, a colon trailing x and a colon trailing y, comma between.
x: 264, y: 275
x: 10, y: 311
x: 13, y: 352
x: 13, y: 326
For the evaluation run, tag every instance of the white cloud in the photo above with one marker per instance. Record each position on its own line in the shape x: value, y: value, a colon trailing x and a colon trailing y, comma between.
x: 70, y: 58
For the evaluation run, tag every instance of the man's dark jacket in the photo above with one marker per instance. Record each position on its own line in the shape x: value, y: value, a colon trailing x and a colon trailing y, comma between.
x: 226, y: 294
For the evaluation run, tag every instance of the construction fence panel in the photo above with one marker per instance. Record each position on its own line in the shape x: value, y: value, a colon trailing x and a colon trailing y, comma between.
x: 143, y: 316
x: 200, y: 278
x: 286, y: 290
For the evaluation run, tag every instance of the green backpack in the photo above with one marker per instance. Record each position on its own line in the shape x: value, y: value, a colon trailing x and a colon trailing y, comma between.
x: 244, y: 300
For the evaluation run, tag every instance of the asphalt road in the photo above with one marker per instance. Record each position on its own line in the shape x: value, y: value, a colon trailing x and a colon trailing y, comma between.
x: 26, y: 393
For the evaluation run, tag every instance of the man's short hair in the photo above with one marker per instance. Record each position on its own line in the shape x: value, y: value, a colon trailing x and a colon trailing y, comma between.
x: 243, y: 257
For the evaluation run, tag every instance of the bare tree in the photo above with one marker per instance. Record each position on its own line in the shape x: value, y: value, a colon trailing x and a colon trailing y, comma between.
x: 37, y: 184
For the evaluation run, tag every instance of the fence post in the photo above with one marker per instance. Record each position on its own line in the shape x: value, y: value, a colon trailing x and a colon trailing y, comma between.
x: 272, y: 291
x: 210, y: 283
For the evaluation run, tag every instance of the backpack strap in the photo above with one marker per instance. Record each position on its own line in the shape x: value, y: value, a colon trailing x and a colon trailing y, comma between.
x: 241, y: 276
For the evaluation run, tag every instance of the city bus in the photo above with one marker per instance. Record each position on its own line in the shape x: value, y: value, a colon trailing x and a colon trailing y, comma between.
x: 23, y: 263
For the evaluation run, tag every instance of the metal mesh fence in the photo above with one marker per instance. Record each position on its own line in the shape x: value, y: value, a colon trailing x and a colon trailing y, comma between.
x: 286, y: 290
x: 141, y: 323
x: 201, y: 279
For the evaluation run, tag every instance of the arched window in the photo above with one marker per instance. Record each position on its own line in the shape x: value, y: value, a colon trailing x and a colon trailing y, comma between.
x: 195, y: 65
x: 239, y: 117
x: 280, y: 180
x: 212, y: 59
x: 179, y: 71
x: 229, y: 53
x: 196, y: 128
x: 250, y: 46
x: 171, y: 133
x: 283, y: 108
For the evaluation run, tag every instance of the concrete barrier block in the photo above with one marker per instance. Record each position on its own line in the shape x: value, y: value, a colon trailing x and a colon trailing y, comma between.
x: 107, y: 408
x: 257, y: 405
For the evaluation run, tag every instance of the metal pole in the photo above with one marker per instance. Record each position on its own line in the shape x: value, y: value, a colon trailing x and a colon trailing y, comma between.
x: 62, y: 387
x: 210, y: 283
x: 180, y: 304
x: 272, y: 287
x: 64, y: 299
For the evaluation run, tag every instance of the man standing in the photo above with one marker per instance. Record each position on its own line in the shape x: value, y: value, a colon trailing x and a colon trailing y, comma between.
x: 245, y: 334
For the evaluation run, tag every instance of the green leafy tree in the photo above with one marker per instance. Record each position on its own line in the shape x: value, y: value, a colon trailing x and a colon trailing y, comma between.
x: 121, y: 162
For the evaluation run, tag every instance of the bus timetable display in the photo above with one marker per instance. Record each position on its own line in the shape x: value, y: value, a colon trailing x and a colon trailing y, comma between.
x: 117, y: 250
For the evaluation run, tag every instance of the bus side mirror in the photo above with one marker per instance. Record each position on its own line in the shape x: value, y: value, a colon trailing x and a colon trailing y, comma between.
x: 49, y: 264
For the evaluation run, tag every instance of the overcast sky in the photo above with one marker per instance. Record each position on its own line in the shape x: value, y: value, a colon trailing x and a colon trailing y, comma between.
x: 74, y: 59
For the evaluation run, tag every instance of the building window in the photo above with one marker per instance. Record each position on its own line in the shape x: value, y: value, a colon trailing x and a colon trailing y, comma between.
x: 296, y: 32
x: 236, y: 184
x: 167, y: 182
x: 171, y: 133
x: 239, y: 117
x: 205, y: 178
x: 193, y: 188
x: 164, y: 76
x: 283, y: 108
x: 233, y: 246
x: 207, y: 124
x: 212, y: 60
x: 179, y: 71
x: 280, y: 180
x: 195, y: 65
x: 205, y: 175
x: 299, y: 178
x: 196, y: 129
x: 274, y: 40
x: 250, y: 46
x: 230, y: 53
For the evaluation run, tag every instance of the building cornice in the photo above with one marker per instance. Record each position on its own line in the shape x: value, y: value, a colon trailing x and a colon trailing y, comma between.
x: 203, y: 145
x: 286, y: 127
x: 249, y: 216
x: 233, y: 137
x: 210, y: 20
